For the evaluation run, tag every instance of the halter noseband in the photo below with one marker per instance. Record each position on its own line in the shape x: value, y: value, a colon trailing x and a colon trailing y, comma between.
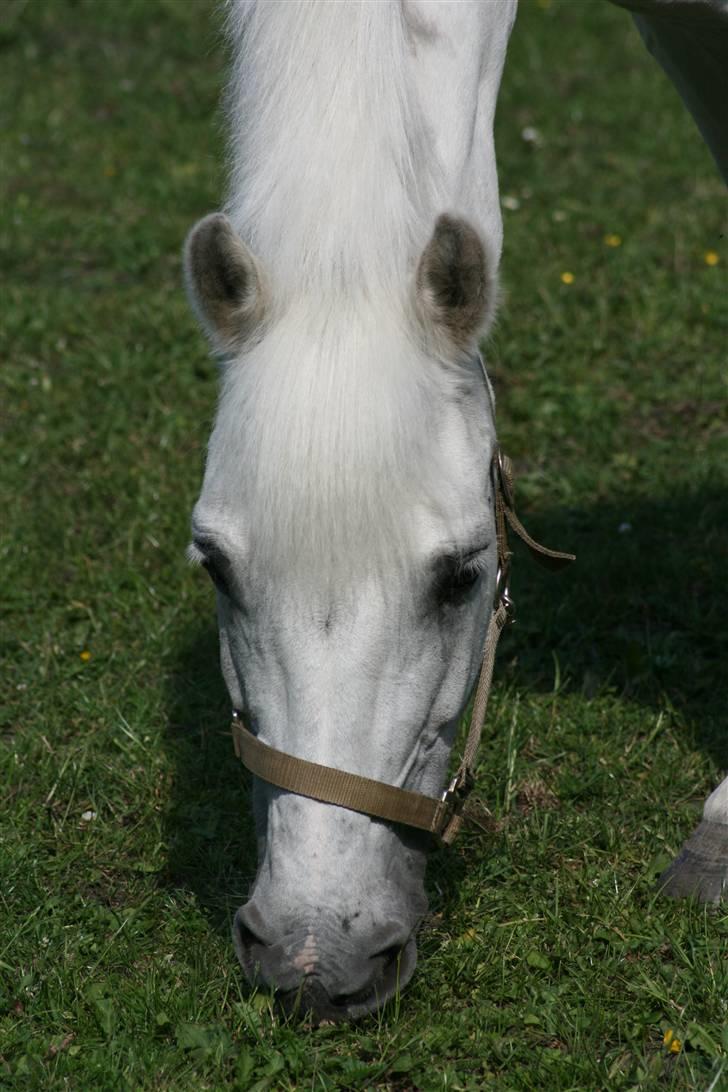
x: 444, y: 815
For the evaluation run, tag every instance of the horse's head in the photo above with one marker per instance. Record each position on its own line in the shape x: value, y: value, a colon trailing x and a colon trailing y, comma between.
x: 347, y: 522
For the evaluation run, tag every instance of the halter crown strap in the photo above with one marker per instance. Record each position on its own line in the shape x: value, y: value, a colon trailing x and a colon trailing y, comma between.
x: 442, y: 816
x: 550, y: 559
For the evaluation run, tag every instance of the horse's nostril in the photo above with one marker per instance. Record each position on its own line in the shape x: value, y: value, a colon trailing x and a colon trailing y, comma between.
x: 249, y: 936
x: 389, y: 954
x: 385, y: 975
x: 246, y: 936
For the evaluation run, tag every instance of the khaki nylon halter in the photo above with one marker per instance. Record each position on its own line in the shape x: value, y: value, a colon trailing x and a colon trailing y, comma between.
x: 442, y: 816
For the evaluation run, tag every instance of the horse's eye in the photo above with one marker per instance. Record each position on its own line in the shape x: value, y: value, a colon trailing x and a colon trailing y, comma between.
x: 466, y: 575
x: 455, y: 574
x: 215, y: 563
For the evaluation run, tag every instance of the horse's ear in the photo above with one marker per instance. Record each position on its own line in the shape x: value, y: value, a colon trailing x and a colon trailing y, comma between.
x: 224, y: 282
x: 455, y: 290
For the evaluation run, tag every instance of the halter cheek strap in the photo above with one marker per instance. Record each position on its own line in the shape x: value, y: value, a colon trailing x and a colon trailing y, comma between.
x: 442, y: 816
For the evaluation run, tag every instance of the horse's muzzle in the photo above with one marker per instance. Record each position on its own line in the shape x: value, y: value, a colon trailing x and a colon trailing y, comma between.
x: 321, y: 973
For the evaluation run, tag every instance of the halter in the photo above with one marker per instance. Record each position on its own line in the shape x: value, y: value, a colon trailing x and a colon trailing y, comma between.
x: 443, y: 815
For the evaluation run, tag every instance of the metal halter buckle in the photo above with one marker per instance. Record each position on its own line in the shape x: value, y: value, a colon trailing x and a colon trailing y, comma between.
x: 458, y: 789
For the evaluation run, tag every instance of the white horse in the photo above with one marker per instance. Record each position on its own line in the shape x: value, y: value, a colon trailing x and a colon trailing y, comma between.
x: 346, y: 515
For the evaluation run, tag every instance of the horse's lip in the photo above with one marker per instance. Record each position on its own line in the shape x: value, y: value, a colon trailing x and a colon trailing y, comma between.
x: 394, y: 977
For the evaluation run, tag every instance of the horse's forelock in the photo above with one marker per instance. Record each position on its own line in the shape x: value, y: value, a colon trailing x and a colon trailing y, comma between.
x: 327, y: 442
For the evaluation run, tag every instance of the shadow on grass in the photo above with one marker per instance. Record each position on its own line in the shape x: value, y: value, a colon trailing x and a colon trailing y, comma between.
x: 643, y: 611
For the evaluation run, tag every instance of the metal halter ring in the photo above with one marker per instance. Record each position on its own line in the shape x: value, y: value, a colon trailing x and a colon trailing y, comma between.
x: 502, y: 591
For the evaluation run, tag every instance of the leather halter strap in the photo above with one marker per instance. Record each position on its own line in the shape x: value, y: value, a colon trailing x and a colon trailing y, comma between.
x: 442, y: 816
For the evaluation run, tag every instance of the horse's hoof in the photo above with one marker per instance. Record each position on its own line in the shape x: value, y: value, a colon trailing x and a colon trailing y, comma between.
x: 701, y: 867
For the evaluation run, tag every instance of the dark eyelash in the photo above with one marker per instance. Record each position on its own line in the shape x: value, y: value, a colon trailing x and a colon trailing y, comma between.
x: 466, y: 574
x: 455, y: 574
x: 213, y: 561
x: 474, y: 562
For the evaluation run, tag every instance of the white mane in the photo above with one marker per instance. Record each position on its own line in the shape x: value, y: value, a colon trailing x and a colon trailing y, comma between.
x: 327, y: 428
x: 332, y: 185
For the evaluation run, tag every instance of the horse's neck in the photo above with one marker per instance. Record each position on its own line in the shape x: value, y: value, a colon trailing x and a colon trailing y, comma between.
x: 352, y: 129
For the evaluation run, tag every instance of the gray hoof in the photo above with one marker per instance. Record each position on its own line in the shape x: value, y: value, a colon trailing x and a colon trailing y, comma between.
x: 701, y: 868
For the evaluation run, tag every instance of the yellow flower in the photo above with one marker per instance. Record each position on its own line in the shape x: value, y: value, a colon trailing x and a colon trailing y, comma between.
x: 567, y: 278
x: 670, y: 1040
x: 613, y: 240
x: 85, y: 655
x: 711, y: 258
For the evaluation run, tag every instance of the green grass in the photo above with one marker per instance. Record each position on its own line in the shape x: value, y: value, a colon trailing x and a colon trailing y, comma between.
x: 547, y: 961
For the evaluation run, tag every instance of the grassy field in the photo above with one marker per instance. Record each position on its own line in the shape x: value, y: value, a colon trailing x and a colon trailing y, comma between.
x: 547, y: 961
